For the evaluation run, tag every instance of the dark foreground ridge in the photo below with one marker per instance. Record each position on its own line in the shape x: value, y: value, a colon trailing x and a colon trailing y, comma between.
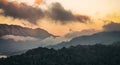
x: 79, y: 55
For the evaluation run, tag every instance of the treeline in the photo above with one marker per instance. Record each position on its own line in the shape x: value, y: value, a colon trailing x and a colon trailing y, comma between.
x: 79, y: 55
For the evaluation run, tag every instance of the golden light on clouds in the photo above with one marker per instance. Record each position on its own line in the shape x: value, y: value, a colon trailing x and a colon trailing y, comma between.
x: 4, y: 1
x: 94, y: 8
x: 38, y: 2
x: 98, y: 10
x: 61, y: 29
x: 115, y: 17
x: 12, y: 21
x: 29, y: 2
x: 52, y: 27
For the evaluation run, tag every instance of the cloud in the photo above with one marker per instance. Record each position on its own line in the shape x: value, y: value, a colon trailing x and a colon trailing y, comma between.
x: 80, y: 33
x: 15, y: 21
x: 58, y: 13
x: 38, y: 2
x: 56, y: 40
x: 4, y: 1
x: 22, y: 11
x: 3, y: 56
x: 55, y: 12
x: 82, y: 18
x: 19, y: 38
x: 1, y: 12
x: 112, y: 27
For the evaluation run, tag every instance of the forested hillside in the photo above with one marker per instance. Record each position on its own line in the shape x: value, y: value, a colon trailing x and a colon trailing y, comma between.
x: 79, y: 55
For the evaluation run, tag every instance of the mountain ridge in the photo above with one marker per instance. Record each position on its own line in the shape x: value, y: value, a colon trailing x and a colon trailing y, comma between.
x: 27, y: 38
x: 23, y: 31
x: 101, y: 37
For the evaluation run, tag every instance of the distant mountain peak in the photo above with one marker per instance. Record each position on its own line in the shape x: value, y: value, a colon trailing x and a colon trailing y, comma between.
x: 23, y: 31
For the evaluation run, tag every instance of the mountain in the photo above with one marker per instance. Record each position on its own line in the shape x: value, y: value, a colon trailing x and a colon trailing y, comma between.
x: 15, y: 39
x: 23, y: 31
x: 101, y: 37
x: 79, y: 55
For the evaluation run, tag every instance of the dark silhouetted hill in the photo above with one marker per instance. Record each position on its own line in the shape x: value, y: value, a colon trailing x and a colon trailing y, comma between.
x: 75, y: 55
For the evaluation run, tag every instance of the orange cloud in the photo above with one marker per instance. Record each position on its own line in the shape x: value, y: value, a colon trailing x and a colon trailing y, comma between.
x: 4, y: 1
x: 38, y: 1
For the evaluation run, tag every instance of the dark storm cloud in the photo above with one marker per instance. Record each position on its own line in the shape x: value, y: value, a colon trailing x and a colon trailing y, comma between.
x: 58, y: 13
x: 32, y: 14
x: 21, y: 11
x: 112, y: 27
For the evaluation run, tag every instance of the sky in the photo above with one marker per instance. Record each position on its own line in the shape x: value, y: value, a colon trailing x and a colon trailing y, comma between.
x: 60, y: 17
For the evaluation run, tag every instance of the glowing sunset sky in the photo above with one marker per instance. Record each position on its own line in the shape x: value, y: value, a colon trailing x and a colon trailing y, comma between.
x: 98, y: 11
x: 93, y: 7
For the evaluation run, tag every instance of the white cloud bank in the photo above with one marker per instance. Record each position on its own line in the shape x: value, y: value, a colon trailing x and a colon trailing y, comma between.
x: 19, y: 38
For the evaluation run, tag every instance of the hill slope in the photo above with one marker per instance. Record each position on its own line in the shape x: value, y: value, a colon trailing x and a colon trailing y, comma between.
x: 16, y: 39
x: 22, y: 31
x: 102, y: 37
x: 79, y: 55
